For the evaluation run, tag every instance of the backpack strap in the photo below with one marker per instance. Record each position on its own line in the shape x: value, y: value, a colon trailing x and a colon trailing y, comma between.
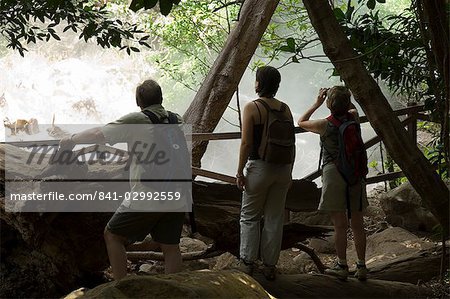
x: 172, y: 117
x: 259, y: 111
x: 153, y: 117
x: 282, y: 108
x: 336, y: 122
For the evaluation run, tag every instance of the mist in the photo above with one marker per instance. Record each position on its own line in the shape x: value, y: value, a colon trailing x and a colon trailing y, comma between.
x: 81, y: 83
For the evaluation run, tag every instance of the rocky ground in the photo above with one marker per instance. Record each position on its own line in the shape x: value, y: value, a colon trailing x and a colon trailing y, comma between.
x: 385, y: 242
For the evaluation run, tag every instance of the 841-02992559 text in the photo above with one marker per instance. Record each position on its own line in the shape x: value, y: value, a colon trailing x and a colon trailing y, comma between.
x: 98, y: 195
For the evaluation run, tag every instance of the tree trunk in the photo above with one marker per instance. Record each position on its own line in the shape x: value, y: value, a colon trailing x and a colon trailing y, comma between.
x: 368, y: 94
x: 437, y: 19
x: 222, y: 80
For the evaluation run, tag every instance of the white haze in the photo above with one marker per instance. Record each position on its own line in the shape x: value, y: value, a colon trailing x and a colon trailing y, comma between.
x: 56, y: 78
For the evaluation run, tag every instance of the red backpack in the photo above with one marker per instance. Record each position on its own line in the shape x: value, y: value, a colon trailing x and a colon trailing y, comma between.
x: 351, y: 161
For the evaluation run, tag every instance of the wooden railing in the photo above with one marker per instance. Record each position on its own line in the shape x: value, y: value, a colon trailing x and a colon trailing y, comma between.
x: 412, y: 113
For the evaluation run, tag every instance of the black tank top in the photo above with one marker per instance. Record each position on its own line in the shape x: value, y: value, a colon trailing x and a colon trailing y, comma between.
x: 257, y: 136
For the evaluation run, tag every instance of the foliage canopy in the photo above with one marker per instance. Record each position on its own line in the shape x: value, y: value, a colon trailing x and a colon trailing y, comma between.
x: 26, y: 21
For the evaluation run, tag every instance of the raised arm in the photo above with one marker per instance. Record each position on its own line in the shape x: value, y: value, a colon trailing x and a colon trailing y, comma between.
x: 354, y: 112
x: 316, y: 126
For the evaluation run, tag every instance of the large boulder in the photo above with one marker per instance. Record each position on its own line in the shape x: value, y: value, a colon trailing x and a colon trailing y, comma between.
x: 404, y: 208
x: 198, y: 284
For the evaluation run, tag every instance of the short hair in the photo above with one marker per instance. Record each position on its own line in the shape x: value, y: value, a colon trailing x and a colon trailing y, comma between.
x: 269, y: 79
x: 148, y: 93
x: 338, y: 100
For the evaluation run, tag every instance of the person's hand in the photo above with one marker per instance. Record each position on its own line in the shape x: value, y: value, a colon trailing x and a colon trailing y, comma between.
x: 240, y: 182
x: 321, y: 97
x: 66, y: 143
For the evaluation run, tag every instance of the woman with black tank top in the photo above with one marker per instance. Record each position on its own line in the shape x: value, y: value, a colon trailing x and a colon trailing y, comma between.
x: 335, y: 198
x: 264, y: 184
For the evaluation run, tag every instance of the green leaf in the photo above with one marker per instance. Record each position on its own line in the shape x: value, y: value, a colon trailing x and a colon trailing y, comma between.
x: 291, y: 43
x: 55, y: 36
x: 339, y: 14
x: 381, y: 1
x: 135, y: 5
x: 150, y: 3
x: 371, y: 4
x: 349, y: 12
x: 286, y: 49
x: 335, y: 73
x: 165, y: 6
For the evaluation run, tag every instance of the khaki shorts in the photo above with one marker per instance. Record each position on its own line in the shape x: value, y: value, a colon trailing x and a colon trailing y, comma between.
x: 164, y: 227
x: 334, y: 192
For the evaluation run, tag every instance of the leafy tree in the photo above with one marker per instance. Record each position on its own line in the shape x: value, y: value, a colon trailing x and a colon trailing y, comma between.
x: 27, y: 21
x: 190, y: 39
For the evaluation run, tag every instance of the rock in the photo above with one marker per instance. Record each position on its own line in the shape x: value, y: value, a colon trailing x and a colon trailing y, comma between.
x: 302, y: 256
x: 325, y: 245
x: 301, y: 262
x: 198, y: 284
x: 226, y: 261
x: 404, y: 208
x: 312, y: 218
x: 146, y: 268
x: 191, y: 245
x: 286, y: 263
x: 195, y: 265
x: 389, y: 244
x: 76, y: 294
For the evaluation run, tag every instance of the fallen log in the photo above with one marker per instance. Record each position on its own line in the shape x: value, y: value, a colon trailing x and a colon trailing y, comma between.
x: 158, y: 256
x: 325, y: 286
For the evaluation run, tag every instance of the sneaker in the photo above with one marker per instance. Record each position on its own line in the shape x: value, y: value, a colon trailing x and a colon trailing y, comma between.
x: 269, y: 272
x: 361, y: 272
x: 245, y: 267
x: 339, y: 271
